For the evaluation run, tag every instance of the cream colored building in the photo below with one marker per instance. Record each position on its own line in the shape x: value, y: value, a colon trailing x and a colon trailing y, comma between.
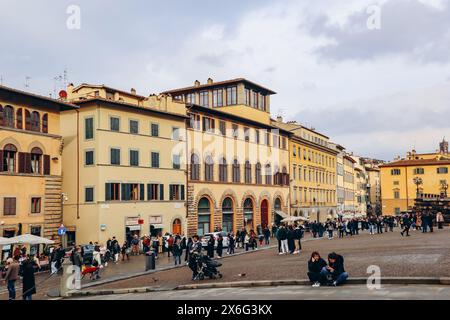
x: 125, y: 164
x: 360, y: 187
x: 30, y: 171
x: 340, y: 186
x: 238, y: 160
x: 349, y: 185
x: 313, y: 172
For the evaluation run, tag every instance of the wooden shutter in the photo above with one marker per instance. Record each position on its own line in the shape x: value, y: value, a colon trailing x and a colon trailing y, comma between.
x: 123, y: 190
x: 45, y: 123
x: 107, y: 191
x: 46, y: 164
x: 27, y: 120
x: 22, y: 159
x: 19, y: 119
x: 141, y: 192
x: 161, y: 192
x: 171, y: 191
x: 182, y: 192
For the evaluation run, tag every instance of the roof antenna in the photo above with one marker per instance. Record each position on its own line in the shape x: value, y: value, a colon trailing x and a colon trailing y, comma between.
x: 1, y: 80
x: 27, y: 81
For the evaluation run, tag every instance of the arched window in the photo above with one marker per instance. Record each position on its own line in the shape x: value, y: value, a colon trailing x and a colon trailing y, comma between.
x: 209, y: 168
x: 236, y: 171
x: 276, y: 176
x: 223, y: 170
x: 204, y: 216
x: 176, y: 226
x: 195, y: 167
x: 9, y: 158
x: 248, y: 172
x: 268, y: 174
x: 8, y: 116
x: 285, y: 176
x: 227, y: 215
x: 35, y: 121
x: 27, y: 120
x: 19, y: 118
x: 36, y: 161
x: 45, y: 123
x: 248, y: 213
x: 277, y: 205
x: 258, y: 173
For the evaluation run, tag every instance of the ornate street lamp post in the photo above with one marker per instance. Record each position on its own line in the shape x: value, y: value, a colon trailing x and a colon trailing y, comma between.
x: 444, y: 187
x: 417, y: 181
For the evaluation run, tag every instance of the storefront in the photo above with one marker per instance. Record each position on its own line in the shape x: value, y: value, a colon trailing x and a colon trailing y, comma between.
x: 132, y: 227
x: 156, y: 225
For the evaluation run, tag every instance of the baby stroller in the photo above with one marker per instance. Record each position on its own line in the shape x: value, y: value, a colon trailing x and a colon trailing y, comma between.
x: 208, y: 268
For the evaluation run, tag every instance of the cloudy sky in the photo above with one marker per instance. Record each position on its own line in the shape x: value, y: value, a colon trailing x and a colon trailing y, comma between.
x: 378, y: 92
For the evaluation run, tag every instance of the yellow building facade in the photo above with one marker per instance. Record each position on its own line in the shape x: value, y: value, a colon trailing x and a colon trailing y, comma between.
x: 312, y: 171
x: 125, y: 171
x: 238, y: 161
x: 399, y: 179
x: 30, y: 171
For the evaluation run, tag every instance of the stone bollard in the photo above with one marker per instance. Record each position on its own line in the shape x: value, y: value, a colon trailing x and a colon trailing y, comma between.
x: 70, y: 279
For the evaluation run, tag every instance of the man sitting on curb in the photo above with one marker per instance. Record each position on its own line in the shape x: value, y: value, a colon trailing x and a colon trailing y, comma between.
x: 334, y: 274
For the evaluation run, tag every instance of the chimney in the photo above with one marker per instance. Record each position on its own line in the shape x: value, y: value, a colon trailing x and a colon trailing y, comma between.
x: 133, y: 91
x: 279, y: 119
x: 209, y: 81
x: 70, y: 88
x: 197, y: 83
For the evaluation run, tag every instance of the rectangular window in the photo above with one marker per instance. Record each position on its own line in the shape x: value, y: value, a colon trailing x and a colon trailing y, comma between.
x: 204, y: 99
x: 442, y: 170
x: 89, y: 158
x: 247, y: 96
x: 419, y: 171
x: 275, y: 141
x: 257, y: 140
x: 35, y: 205
x: 154, y: 129
x: 247, y: 134
x: 255, y: 100
x: 176, y: 161
x: 232, y: 96
x: 175, y: 133
x: 89, y: 128
x: 194, y: 121
x: 208, y: 124
x: 396, y: 194
x: 176, y: 192
x: 294, y: 151
x: 9, y: 206
x: 134, y: 126
x: 262, y: 102
x: 134, y: 158
x: 112, y: 191
x: 155, y: 159
x: 155, y: 191
x: 89, y: 194
x: 397, y: 211
x: 115, y: 156
x: 190, y: 98
x: 395, y: 172
x: 267, y: 139
x: 235, y: 131
x: 217, y: 98
x: 114, y: 124
x: 130, y: 191
x: 223, y: 128
x: 178, y: 98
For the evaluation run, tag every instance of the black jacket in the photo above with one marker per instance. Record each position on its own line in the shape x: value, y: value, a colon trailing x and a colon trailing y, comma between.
x: 316, y: 266
x: 338, y: 265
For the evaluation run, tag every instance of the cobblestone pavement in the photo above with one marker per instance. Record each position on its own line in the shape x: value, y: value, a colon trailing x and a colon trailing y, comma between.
x: 346, y: 292
x: 421, y: 255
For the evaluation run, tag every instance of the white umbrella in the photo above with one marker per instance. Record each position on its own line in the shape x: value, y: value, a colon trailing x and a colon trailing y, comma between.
x: 26, y: 239
x: 4, y: 241
x: 293, y: 218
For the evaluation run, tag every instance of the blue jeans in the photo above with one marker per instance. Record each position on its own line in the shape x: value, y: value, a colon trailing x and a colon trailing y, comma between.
x: 340, y: 279
x: 12, y: 289
x: 177, y: 259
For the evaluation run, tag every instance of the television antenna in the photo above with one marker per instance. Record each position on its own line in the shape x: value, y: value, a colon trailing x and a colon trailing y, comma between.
x: 27, y: 81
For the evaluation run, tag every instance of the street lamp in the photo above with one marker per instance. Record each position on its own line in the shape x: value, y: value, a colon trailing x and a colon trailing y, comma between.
x: 444, y: 187
x: 417, y: 181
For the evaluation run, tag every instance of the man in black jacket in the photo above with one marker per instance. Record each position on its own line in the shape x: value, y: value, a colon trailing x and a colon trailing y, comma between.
x: 334, y: 273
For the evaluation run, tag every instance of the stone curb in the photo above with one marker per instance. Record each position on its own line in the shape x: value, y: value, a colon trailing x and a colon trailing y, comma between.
x: 262, y: 283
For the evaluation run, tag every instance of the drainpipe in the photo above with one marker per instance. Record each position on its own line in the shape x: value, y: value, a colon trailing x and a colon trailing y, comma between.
x: 78, y: 163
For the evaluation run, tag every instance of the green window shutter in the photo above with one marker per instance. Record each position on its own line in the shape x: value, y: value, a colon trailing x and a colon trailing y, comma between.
x: 161, y: 192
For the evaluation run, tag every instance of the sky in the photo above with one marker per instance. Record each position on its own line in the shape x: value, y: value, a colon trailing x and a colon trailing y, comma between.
x: 373, y: 75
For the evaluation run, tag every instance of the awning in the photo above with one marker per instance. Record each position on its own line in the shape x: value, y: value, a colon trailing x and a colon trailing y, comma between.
x: 281, y: 214
x: 26, y: 239
x: 135, y: 227
x: 157, y: 225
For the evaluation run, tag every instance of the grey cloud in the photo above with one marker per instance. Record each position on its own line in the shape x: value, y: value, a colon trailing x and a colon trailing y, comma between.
x: 407, y: 26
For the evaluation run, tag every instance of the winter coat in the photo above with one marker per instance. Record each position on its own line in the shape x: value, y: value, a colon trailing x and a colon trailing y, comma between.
x: 28, y: 281
x: 316, y: 266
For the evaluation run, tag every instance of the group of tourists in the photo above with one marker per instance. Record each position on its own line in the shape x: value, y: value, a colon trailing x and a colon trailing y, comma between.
x: 423, y: 221
x: 24, y: 266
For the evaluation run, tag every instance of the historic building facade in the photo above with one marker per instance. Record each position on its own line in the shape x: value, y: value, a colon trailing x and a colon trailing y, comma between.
x: 238, y: 161
x: 30, y: 172
x: 424, y: 175
x: 125, y: 170
x: 312, y: 172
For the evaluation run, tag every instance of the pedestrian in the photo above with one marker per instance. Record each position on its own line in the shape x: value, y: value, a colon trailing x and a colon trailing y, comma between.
x: 315, y: 266
x: 282, y: 236
x: 243, y: 236
x: 210, y: 246
x: 77, y: 261
x: 334, y: 273
x: 274, y: 230
x: 146, y: 244
x: 28, y: 280
x: 177, y: 251
x: 96, y: 253
x: 125, y: 250
x: 341, y: 229
x: 266, y: 232
x: 188, y: 246
x: 115, y: 249
x: 330, y: 230
x: 11, y: 276
x: 219, y: 249
x: 195, y: 250
x: 298, y: 233
x: 247, y: 241
x: 135, y: 245
x: 291, y: 239
x: 170, y: 242
x: 406, y: 222
x: 231, y: 243
x: 253, y: 240
x: 440, y: 220
x: 379, y: 225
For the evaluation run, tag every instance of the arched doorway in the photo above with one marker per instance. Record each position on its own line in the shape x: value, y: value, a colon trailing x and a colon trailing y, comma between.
x: 277, y: 207
x: 264, y: 213
x: 204, y: 216
x: 248, y: 214
x: 227, y: 215
x: 176, y: 226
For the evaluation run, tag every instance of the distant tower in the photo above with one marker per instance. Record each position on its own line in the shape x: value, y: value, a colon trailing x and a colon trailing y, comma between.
x: 443, y: 146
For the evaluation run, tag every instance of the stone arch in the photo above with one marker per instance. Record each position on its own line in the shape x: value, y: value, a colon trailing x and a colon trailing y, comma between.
x: 279, y: 195
x: 229, y: 193
x: 249, y: 194
x: 11, y: 140
x: 208, y: 194
x: 36, y: 144
x: 265, y: 195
